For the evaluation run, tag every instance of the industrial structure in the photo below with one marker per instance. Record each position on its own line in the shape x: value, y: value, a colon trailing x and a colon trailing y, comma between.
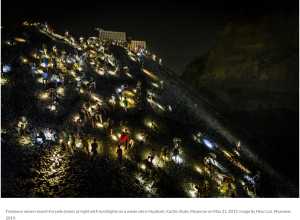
x: 135, y: 45
x: 111, y: 35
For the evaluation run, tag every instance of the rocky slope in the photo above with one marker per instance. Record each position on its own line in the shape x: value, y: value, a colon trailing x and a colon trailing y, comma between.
x: 30, y: 170
x: 252, y: 72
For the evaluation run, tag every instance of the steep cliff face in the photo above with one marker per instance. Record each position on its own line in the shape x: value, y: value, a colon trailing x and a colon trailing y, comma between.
x: 252, y: 71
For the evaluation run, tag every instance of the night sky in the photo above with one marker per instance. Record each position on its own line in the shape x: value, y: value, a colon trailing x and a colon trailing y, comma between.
x: 174, y: 32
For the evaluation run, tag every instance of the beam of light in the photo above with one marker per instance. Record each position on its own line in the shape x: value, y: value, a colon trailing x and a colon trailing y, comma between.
x: 237, y: 153
x: 162, y: 108
x: 114, y: 137
x: 61, y: 90
x: 223, y: 169
x: 154, y: 84
x: 208, y: 143
x: 178, y: 160
x: 140, y: 179
x: 20, y: 39
x: 248, y: 178
x: 227, y: 154
x: 143, y: 166
x: 96, y: 98
x: 235, y: 162
x: 128, y: 74
x: 100, y: 125
x: 3, y: 81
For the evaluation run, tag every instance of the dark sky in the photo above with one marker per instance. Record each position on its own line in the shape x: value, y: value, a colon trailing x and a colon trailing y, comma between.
x: 175, y: 32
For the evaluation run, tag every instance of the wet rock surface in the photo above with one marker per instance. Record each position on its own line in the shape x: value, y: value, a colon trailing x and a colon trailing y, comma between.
x: 29, y: 169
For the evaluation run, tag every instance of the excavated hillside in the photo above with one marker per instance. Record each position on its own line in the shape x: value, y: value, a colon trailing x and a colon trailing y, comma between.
x: 28, y: 169
x: 252, y: 73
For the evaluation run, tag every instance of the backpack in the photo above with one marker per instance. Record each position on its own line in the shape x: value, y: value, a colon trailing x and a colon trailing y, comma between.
x: 78, y: 123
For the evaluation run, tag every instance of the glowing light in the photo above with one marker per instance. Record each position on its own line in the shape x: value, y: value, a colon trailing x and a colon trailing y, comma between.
x: 140, y: 137
x: 154, y: 84
x: 114, y: 137
x: 20, y: 39
x: 78, y: 144
x: 162, y: 108
x: 227, y: 154
x: 223, y: 169
x: 237, y: 153
x: 143, y: 166
x: 235, y: 162
x: 129, y: 75
x: 248, y: 178
x: 178, y: 160
x: 198, y: 169
x: 193, y: 193
x: 208, y: 143
x: 6, y: 69
x: 96, y: 98
x: 3, y: 81
x: 100, y: 125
